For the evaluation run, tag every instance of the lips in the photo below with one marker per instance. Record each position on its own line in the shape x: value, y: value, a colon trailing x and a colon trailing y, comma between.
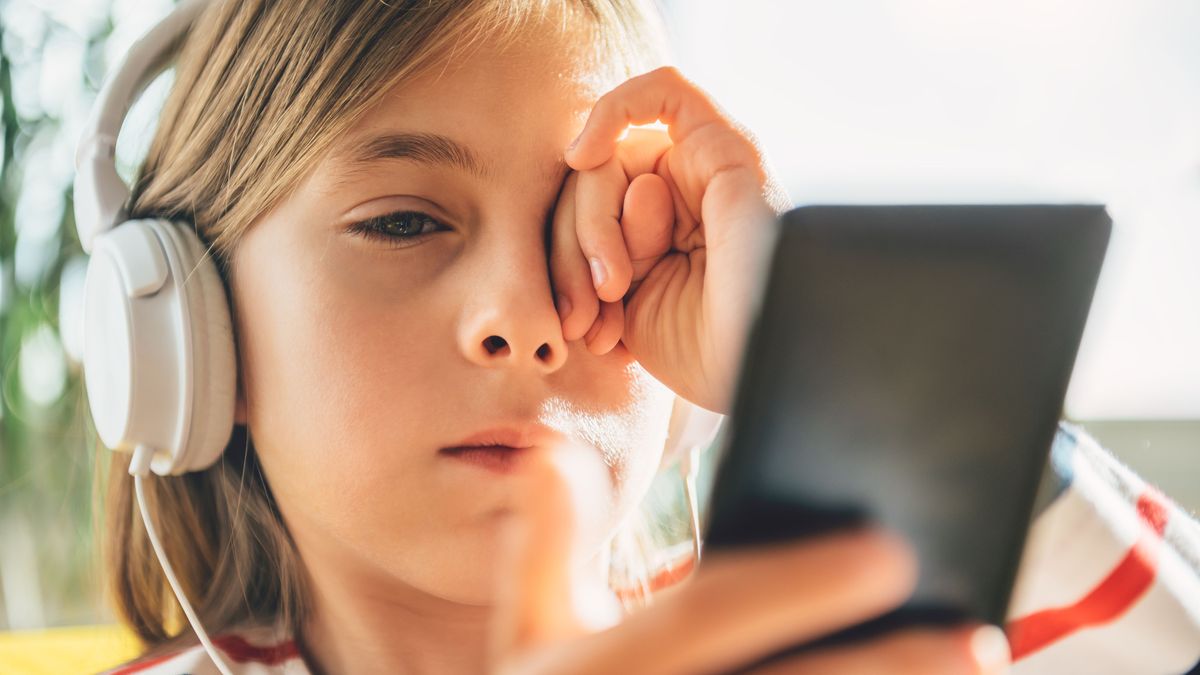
x: 508, y: 436
x: 500, y: 448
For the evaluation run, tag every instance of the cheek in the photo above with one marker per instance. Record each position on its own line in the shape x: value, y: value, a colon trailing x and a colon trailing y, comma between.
x: 335, y: 368
x: 347, y: 408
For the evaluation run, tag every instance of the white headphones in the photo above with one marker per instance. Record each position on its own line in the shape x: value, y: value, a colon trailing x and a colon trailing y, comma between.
x: 158, y: 353
x: 158, y: 359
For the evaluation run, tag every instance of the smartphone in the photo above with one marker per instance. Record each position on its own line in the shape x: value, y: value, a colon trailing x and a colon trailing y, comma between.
x: 907, y: 367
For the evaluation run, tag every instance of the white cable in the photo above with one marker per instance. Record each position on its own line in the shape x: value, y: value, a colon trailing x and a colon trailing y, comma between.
x: 689, y: 467
x: 138, y: 468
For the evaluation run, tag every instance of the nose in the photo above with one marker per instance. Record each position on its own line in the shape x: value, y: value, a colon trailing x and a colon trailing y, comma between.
x: 510, y: 318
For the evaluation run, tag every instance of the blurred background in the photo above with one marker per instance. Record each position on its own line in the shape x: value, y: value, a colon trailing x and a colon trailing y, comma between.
x: 857, y: 101
x: 892, y: 101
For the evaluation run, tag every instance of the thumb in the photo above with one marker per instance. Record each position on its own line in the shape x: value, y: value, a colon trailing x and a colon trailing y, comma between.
x: 545, y: 591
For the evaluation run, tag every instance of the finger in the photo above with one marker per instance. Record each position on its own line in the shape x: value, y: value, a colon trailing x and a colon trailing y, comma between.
x: 980, y: 650
x: 647, y: 222
x: 559, y: 495
x: 662, y: 94
x: 608, y: 329
x: 648, y: 214
x: 576, y: 299
x: 598, y: 200
x: 641, y: 149
x: 740, y: 606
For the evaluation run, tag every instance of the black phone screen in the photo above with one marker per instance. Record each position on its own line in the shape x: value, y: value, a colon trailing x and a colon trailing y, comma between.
x: 908, y: 367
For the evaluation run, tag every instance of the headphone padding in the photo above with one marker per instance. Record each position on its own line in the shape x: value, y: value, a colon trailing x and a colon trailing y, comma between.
x: 214, y: 386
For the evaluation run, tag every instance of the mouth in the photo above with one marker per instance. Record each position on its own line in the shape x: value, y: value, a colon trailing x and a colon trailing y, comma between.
x: 499, y: 458
x: 500, y: 448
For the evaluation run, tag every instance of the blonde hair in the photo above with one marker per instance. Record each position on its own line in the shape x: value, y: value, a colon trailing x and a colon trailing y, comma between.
x: 262, y: 89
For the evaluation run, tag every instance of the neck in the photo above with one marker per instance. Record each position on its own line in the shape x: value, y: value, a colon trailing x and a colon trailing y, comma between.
x: 363, y: 624
x: 406, y: 632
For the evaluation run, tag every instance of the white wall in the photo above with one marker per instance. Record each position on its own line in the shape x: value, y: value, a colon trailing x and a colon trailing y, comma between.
x: 1023, y: 100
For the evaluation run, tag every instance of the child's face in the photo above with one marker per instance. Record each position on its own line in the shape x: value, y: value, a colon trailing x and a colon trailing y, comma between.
x: 361, y: 361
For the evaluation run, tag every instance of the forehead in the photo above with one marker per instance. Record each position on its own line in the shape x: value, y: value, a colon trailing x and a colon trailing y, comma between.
x: 490, y: 112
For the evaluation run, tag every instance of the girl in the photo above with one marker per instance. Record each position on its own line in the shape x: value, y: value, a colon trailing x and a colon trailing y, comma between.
x: 420, y: 262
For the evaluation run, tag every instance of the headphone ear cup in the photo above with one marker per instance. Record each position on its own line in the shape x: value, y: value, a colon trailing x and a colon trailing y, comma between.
x: 214, y: 369
x: 158, y: 346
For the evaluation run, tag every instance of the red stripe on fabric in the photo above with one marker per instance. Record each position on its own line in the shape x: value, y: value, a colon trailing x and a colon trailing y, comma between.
x: 241, y: 651
x: 139, y: 666
x: 665, y: 577
x: 1109, y: 599
x: 234, y: 646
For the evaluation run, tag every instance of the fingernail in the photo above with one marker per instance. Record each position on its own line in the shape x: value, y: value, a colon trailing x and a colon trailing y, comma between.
x: 564, y: 307
x: 599, y: 274
x: 990, y: 646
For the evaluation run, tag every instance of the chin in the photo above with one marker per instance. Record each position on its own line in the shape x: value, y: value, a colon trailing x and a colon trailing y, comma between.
x: 476, y: 587
x: 462, y: 570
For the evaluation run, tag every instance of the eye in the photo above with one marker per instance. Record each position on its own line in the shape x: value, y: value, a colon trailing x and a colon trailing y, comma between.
x: 398, y: 229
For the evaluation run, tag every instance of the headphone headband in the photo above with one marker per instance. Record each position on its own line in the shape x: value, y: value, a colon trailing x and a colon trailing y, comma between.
x: 100, y: 193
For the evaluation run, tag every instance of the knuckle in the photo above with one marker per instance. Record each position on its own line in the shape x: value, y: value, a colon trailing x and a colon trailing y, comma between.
x: 669, y: 73
x: 748, y: 142
x: 670, y: 77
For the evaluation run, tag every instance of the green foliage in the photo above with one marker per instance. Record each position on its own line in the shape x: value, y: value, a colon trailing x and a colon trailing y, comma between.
x: 47, y: 444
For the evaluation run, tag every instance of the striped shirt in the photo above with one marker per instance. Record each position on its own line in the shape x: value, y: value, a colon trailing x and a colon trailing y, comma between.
x: 1109, y: 583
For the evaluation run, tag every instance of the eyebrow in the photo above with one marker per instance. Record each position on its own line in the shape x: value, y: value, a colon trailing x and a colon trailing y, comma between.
x: 429, y: 149
x: 419, y: 147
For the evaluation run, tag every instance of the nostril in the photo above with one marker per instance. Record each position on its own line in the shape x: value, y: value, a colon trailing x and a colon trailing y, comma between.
x: 543, y: 352
x: 494, y: 344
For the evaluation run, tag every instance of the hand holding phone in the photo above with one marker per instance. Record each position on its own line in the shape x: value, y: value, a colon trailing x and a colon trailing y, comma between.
x: 739, y: 607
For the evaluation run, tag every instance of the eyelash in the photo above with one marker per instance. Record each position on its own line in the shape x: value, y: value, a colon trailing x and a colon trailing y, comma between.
x: 376, y: 228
